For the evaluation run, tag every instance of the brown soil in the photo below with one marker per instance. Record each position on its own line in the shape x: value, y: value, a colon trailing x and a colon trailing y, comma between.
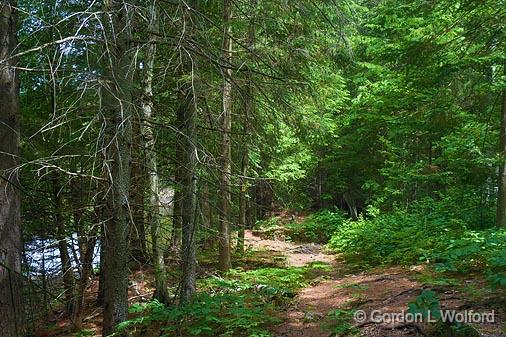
x: 383, y: 289
x: 386, y: 290
x: 296, y: 255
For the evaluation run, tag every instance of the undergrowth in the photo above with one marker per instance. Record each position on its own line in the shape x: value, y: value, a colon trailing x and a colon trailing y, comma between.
x: 317, y: 227
x: 239, y: 303
x: 423, y: 235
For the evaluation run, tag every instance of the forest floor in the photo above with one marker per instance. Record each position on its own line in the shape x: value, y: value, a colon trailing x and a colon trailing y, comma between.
x: 326, y: 306
x: 385, y: 290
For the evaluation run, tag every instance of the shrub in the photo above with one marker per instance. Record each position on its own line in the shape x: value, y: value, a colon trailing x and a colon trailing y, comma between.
x: 318, y: 227
x: 206, y: 315
x: 241, y: 303
x: 423, y: 234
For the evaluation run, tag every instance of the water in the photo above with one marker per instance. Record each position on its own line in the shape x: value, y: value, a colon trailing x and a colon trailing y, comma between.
x: 43, y: 255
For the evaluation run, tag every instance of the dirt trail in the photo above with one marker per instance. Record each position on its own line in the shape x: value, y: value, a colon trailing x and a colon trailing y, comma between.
x: 386, y: 290
x: 297, y: 255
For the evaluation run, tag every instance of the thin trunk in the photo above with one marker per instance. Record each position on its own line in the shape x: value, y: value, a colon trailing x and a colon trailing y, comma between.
x: 178, y: 202
x: 352, y: 206
x: 252, y: 204
x: 86, y: 272
x: 250, y: 208
x: 249, y: 104
x: 188, y: 170
x: 137, y: 235
x: 226, y: 169
x: 77, y: 204
x: 501, y: 192
x: 87, y: 239
x: 243, y: 200
x: 44, y: 287
x: 117, y: 103
x: 11, y: 309
x: 319, y: 188
x: 66, y: 266
x: 263, y: 191
x: 206, y: 216
x: 189, y: 217
x: 102, y: 262
x: 160, y: 293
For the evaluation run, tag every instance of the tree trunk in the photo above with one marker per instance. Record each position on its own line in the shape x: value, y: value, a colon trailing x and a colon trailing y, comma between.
x: 137, y: 235
x: 319, y: 187
x: 252, y: 204
x: 206, y: 216
x: 78, y: 205
x: 188, y: 170
x: 249, y: 105
x: 501, y: 192
x: 177, y: 221
x: 86, y: 272
x: 226, y: 169
x: 66, y: 266
x: 243, y: 199
x: 352, y: 205
x: 117, y: 103
x: 87, y: 239
x: 160, y: 293
x: 189, y: 216
x: 11, y: 309
x: 102, y: 262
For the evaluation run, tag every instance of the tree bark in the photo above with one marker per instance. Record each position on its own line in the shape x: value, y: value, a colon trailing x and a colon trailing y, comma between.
x: 86, y: 272
x: 66, y: 266
x: 352, y: 205
x: 189, y: 216
x: 243, y: 199
x: 87, y: 238
x: 117, y: 110
x: 188, y: 169
x: 249, y: 105
x: 137, y: 235
x: 501, y: 192
x: 11, y: 308
x: 206, y: 216
x: 102, y: 262
x: 252, y: 204
x: 177, y: 221
x: 161, y: 293
x: 226, y: 169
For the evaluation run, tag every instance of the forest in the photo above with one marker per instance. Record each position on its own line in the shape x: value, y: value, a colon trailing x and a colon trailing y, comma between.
x: 252, y: 168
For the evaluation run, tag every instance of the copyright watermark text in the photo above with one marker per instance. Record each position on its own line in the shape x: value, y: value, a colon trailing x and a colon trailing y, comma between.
x: 466, y: 316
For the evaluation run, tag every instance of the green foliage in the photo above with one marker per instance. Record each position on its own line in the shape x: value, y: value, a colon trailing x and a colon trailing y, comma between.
x: 386, y: 106
x: 341, y: 323
x: 318, y: 227
x: 473, y: 249
x: 280, y: 280
x: 433, y: 279
x: 356, y: 286
x: 443, y: 329
x: 400, y: 237
x: 424, y: 234
x: 241, y: 303
x: 84, y: 333
x: 224, y: 314
x: 427, y: 305
x: 497, y: 266
x: 269, y: 224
